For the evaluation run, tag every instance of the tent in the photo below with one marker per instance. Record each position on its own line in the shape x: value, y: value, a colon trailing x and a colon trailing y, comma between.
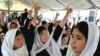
x: 58, y: 6
x: 52, y: 4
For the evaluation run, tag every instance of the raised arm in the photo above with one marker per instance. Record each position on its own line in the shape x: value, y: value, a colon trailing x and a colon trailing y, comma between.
x: 59, y: 28
x: 36, y: 10
x: 62, y: 23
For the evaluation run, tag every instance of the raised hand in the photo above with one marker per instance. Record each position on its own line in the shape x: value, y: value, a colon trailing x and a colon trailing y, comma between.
x: 36, y: 9
x: 69, y: 9
x: 65, y: 19
x: 36, y: 6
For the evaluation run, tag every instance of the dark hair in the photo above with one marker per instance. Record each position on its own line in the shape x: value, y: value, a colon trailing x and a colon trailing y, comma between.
x: 18, y: 32
x: 44, y: 22
x: 25, y: 9
x: 13, y: 23
x: 64, y: 35
x: 83, y: 28
x: 40, y: 29
x: 67, y: 28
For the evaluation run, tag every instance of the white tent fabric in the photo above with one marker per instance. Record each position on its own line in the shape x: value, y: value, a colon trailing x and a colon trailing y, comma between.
x: 52, y: 4
x: 17, y: 5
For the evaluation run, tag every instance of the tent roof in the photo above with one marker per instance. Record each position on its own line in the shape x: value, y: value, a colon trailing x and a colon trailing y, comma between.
x: 53, y: 4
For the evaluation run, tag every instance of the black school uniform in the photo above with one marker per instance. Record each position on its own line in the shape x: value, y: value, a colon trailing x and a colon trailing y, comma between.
x: 63, y: 51
x: 50, y: 28
x: 57, y: 33
x: 23, y: 17
x: 28, y: 34
x: 43, y: 53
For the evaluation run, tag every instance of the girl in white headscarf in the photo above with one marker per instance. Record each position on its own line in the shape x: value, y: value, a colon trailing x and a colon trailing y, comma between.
x: 12, y: 25
x: 14, y: 44
x: 84, y: 41
x: 63, y: 42
x: 44, y: 44
x: 15, y: 23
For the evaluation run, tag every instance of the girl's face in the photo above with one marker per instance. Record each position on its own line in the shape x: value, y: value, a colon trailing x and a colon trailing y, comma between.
x: 64, y: 41
x: 13, y: 26
x: 78, y: 41
x: 18, y: 41
x: 43, y: 36
x: 68, y: 32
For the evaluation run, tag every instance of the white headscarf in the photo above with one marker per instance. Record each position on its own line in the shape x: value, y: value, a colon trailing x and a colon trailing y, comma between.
x: 8, y: 25
x: 17, y: 22
x: 8, y: 43
x: 92, y: 42
x: 14, y: 20
x: 51, y: 46
x: 60, y: 40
